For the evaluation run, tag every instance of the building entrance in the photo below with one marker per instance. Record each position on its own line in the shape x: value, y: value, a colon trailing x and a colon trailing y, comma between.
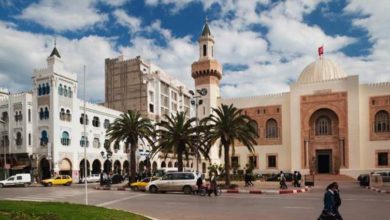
x: 324, y: 161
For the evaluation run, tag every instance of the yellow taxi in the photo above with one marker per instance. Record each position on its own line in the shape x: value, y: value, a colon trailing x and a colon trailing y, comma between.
x: 58, y: 180
x: 142, y: 184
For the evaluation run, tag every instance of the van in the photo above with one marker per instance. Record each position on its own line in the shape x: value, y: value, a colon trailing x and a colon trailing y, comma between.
x: 174, y: 182
x: 161, y: 172
x: 22, y: 179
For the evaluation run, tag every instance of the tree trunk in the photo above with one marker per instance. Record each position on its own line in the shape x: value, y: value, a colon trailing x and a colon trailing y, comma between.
x: 227, y: 164
x: 180, y: 161
x: 133, y: 165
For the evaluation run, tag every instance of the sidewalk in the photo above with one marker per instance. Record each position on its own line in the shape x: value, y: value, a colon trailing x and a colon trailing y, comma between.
x: 384, y: 189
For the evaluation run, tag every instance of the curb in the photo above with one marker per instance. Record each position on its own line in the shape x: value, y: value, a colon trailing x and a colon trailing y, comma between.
x: 232, y: 191
x: 377, y: 190
x: 267, y: 191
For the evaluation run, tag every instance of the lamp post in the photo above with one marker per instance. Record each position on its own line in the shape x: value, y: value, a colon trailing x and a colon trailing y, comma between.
x: 196, y: 101
x: 85, y: 145
x: 5, y: 153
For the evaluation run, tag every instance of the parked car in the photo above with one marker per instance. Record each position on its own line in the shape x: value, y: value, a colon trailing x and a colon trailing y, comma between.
x: 22, y: 179
x: 140, y: 185
x: 58, y: 180
x: 174, y: 182
x: 116, y: 178
x: 93, y: 178
x: 276, y: 177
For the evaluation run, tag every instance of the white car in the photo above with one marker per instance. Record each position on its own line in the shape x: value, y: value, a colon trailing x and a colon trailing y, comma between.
x: 93, y: 178
x: 174, y: 182
x: 22, y: 179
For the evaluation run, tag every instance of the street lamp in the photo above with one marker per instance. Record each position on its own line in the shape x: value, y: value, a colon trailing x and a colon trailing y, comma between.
x: 5, y: 153
x: 196, y: 100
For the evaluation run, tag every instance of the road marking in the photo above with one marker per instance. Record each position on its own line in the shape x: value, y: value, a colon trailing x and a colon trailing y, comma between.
x: 120, y: 200
x: 297, y: 207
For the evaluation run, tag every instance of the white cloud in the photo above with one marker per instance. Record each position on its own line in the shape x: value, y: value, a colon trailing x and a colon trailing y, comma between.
x: 177, y: 4
x: 115, y: 3
x: 126, y: 20
x: 18, y: 58
x: 70, y: 15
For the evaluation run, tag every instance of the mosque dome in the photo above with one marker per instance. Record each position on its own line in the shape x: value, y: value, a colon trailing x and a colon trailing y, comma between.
x: 321, y: 70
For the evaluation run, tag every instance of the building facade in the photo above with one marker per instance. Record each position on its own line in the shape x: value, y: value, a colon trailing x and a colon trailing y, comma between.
x: 42, y: 130
x: 327, y: 123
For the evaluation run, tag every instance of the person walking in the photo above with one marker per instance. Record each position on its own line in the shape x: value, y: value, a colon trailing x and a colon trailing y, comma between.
x: 295, y: 179
x: 299, y: 178
x: 213, y: 185
x: 282, y: 182
x: 337, y: 200
x: 199, y: 184
x: 330, y: 207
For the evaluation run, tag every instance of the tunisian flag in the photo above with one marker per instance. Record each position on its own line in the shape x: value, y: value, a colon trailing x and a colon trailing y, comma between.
x: 321, y: 51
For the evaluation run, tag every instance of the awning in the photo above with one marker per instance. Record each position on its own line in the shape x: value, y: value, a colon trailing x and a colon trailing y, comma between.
x: 19, y: 167
x: 65, y: 165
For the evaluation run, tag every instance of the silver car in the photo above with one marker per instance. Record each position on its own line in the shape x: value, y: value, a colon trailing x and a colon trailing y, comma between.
x: 174, y: 182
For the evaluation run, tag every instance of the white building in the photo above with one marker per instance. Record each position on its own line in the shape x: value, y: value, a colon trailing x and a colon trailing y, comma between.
x: 43, y: 130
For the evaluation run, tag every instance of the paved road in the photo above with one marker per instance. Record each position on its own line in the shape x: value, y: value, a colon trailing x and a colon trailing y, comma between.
x: 357, y: 203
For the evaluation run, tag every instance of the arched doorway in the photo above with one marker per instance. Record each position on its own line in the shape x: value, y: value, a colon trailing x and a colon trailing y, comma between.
x: 107, y: 168
x: 141, y: 167
x: 169, y: 164
x: 154, y: 166
x: 117, y: 166
x: 96, y: 167
x: 126, y: 167
x: 82, y: 167
x: 163, y: 164
x: 324, y: 143
x: 44, y: 169
x: 65, y: 167
x: 203, y: 167
x: 176, y: 164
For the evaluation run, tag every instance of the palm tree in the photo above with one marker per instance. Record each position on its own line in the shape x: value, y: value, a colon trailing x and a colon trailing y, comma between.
x: 177, y: 135
x: 129, y: 128
x: 228, y: 125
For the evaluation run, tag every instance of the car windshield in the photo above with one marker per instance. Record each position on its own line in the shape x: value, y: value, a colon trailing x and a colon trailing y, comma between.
x: 146, y: 179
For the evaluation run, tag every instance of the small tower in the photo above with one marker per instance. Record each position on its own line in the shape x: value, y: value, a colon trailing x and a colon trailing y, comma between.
x: 207, y: 72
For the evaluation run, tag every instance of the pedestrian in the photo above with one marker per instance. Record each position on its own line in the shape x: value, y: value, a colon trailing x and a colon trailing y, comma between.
x: 250, y: 179
x: 101, y: 179
x: 246, y: 179
x: 282, y: 182
x: 213, y: 185
x: 199, y: 184
x: 330, y: 208
x: 299, y: 178
x: 337, y: 200
x: 295, y: 179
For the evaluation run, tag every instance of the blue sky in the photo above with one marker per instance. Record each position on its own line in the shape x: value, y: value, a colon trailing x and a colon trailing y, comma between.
x: 262, y: 44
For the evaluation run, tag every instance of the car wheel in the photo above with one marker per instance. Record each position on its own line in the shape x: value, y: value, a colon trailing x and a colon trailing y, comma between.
x: 135, y: 188
x: 1, y: 185
x: 49, y: 184
x: 153, y: 189
x: 187, y: 190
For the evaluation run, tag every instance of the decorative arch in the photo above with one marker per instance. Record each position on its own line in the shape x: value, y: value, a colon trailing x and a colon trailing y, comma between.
x: 82, y: 168
x: 271, y: 128
x: 163, y: 164
x: 170, y: 164
x: 65, y: 167
x: 44, y: 169
x: 96, y: 166
x: 154, y: 166
x: 117, y: 167
x: 126, y: 167
x: 382, y: 121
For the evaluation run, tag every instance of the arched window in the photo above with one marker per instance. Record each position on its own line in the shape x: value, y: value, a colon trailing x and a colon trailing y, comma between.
x: 169, y: 164
x: 47, y: 88
x: 70, y: 93
x: 65, y: 91
x: 39, y: 90
x: 271, y: 129
x: 95, y: 121
x: 41, y: 114
x: 60, y: 90
x: 82, y: 119
x: 176, y: 164
x: 82, y: 141
x: 43, y: 90
x: 44, y: 138
x: 62, y: 114
x: 46, y: 113
x: 323, y: 126
x: 68, y: 115
x: 204, y: 50
x: 382, y: 121
x: 19, y: 140
x: 65, y: 140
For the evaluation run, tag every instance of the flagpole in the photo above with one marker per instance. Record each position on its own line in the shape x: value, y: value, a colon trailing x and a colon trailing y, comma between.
x: 85, y: 147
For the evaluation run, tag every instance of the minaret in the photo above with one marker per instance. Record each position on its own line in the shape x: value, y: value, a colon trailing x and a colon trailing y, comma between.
x: 207, y: 72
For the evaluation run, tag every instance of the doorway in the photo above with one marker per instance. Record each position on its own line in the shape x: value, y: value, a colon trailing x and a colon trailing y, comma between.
x: 324, y: 161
